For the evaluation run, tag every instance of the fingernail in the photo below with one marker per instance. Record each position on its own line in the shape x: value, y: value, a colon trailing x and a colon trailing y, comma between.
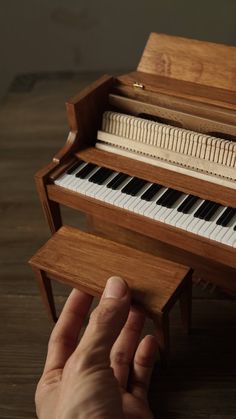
x: 115, y: 288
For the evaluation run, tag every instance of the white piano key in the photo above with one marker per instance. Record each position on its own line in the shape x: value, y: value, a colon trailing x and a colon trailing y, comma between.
x: 207, y: 229
x: 218, y: 231
x: 98, y: 191
x: 65, y: 180
x: 230, y: 236
x: 95, y: 188
x: 197, y: 226
x: 76, y: 181
x: 145, y: 205
x: 84, y: 183
x: 169, y: 215
x: 116, y: 194
x: 105, y: 190
x: 159, y: 214
x: 152, y: 210
x: 133, y: 201
x: 122, y: 197
x: 229, y: 230
x: 184, y: 221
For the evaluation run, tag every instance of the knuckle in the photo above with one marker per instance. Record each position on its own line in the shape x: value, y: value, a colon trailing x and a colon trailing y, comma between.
x: 144, y: 361
x: 60, y: 340
x: 120, y: 358
x: 104, y: 313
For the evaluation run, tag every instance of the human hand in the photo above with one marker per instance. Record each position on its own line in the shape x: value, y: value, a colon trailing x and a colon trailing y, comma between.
x: 107, y: 375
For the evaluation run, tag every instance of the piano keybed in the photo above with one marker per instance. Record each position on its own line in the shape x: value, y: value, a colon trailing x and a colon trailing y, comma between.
x: 187, y: 212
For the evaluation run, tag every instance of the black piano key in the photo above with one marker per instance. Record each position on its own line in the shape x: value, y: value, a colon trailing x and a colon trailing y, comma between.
x: 130, y: 185
x: 105, y: 176
x: 164, y: 198
x: 206, y: 209
x: 187, y: 204
x: 172, y: 199
x: 85, y: 170
x: 74, y: 167
x: 117, y: 181
x: 227, y: 215
x: 100, y: 176
x: 151, y: 192
x: 211, y: 211
x: 133, y: 186
x: 138, y: 187
x: 201, y: 209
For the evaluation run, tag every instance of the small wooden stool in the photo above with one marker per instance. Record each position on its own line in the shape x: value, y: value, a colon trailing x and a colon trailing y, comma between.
x: 85, y: 261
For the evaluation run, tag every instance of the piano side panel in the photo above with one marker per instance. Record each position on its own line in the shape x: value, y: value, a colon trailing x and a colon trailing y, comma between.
x: 85, y: 110
x: 154, y: 229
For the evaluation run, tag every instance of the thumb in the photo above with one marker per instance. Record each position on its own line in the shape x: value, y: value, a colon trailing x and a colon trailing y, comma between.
x: 106, y: 322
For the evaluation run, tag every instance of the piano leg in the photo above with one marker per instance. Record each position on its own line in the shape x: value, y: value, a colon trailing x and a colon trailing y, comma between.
x: 161, y: 324
x: 185, y: 302
x: 53, y: 215
x: 45, y: 288
x: 51, y: 209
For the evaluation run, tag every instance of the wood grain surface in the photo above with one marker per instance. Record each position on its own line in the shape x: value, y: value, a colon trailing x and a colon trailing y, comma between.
x: 87, y: 261
x: 201, y: 379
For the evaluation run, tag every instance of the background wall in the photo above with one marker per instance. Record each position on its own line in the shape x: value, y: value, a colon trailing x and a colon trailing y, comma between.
x: 104, y: 35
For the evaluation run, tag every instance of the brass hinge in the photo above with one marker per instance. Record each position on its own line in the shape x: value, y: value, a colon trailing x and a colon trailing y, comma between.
x: 138, y: 85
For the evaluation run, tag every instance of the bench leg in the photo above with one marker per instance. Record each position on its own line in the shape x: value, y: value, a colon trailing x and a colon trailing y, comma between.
x: 185, y: 302
x: 45, y: 288
x: 161, y: 322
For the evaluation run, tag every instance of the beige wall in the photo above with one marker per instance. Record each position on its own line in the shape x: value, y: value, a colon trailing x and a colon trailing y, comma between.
x: 106, y: 35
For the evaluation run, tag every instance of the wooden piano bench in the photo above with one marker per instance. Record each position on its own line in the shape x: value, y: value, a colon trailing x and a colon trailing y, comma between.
x: 86, y: 261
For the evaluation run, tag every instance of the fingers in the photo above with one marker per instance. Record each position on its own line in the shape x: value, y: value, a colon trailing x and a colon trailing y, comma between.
x: 64, y: 336
x: 125, y: 346
x: 142, y: 367
x: 105, y: 324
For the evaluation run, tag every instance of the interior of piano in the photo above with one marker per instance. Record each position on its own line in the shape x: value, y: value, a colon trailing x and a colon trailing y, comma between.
x: 181, y: 95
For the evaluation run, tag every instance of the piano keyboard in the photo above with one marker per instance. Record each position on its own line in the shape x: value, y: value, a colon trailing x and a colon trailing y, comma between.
x: 187, y: 212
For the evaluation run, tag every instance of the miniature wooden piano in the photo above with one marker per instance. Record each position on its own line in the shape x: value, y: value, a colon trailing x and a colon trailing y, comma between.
x: 151, y: 157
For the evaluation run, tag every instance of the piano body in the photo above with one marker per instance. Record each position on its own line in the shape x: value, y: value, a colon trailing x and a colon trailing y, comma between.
x: 185, y: 89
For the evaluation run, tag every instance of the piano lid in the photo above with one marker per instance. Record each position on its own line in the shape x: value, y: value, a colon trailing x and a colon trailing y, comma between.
x: 198, y: 70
